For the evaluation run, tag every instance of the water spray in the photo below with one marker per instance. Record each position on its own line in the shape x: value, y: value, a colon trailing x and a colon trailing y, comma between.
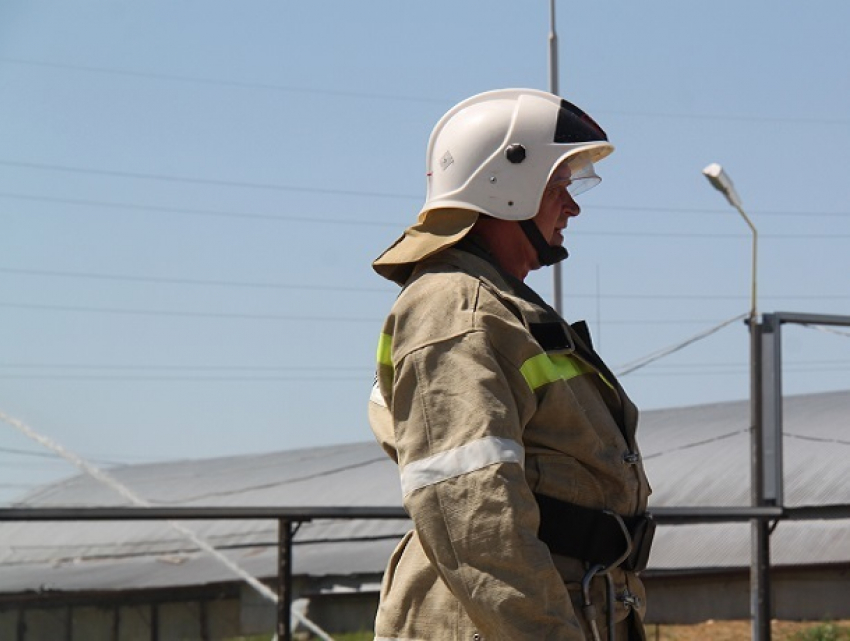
x: 102, y: 477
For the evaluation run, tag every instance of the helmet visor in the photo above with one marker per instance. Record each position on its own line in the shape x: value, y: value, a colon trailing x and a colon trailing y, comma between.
x: 582, y: 175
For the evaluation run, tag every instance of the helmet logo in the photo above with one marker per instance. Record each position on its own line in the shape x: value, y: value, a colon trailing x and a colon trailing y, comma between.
x: 515, y: 153
x: 446, y: 160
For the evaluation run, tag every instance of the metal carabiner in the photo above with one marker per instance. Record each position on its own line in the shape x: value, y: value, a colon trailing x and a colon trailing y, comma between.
x: 589, y: 609
x: 626, y: 536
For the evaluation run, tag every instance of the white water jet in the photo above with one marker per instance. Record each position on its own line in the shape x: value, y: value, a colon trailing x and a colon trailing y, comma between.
x: 138, y: 501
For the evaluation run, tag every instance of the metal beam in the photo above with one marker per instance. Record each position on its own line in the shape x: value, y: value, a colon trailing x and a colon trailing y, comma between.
x: 284, y: 580
x: 697, y: 515
x: 685, y: 515
x: 197, y: 513
x: 759, y: 528
x: 811, y: 319
x: 817, y: 512
x: 771, y: 404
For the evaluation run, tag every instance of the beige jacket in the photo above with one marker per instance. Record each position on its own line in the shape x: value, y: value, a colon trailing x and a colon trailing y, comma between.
x: 479, y: 416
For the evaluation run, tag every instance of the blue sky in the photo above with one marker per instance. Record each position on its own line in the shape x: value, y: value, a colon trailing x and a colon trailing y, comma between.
x: 191, y: 194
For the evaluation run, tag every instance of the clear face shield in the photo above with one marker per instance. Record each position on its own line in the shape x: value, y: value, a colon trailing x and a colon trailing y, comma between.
x: 582, y: 175
x: 575, y: 176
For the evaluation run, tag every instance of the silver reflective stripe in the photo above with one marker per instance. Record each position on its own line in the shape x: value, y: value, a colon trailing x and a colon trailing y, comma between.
x: 376, y: 397
x: 459, y: 461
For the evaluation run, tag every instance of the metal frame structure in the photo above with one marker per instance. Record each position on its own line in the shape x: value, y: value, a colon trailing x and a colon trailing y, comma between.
x: 771, y: 394
x: 767, y: 453
x: 287, y: 518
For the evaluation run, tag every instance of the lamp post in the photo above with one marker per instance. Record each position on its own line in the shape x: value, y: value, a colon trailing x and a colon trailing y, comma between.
x: 760, y: 532
x: 553, y: 88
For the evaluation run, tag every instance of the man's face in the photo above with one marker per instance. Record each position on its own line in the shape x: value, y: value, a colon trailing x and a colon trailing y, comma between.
x: 556, y: 207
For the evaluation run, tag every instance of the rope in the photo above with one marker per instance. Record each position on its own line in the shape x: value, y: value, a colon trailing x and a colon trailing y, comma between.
x: 628, y: 368
x: 828, y: 330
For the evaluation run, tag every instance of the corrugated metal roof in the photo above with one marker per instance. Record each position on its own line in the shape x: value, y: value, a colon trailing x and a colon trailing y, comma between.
x: 352, y: 474
x: 695, y: 456
x: 701, y: 455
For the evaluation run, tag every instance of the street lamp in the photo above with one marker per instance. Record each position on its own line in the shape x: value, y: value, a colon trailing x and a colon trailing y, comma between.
x: 721, y: 181
x: 760, y: 533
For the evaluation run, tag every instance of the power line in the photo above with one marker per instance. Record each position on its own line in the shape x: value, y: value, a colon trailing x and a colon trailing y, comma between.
x: 382, y: 290
x: 253, y: 368
x: 815, y: 439
x: 52, y: 457
x: 736, y: 371
x: 737, y: 118
x: 12, y: 450
x: 714, y: 212
x: 112, y: 378
x: 646, y: 360
x: 275, y: 317
x: 47, y: 464
x: 360, y: 222
x: 115, y: 173
x: 289, y: 317
x: 262, y: 486
x: 322, y: 219
x: 241, y: 84
x: 211, y: 373
x: 694, y: 444
x: 185, y: 314
x: 202, y: 212
x: 187, y: 281
x: 828, y: 330
x: 633, y: 234
x: 802, y: 366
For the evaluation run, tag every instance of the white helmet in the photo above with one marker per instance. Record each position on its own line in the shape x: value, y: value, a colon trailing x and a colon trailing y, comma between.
x: 494, y: 153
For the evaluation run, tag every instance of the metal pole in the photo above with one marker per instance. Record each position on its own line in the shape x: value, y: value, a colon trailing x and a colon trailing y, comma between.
x: 771, y: 386
x: 284, y: 580
x: 760, y: 532
x: 557, y: 298
x: 69, y: 623
x: 203, y: 620
x: 754, y: 274
x: 154, y: 622
x: 116, y: 623
x: 761, y: 586
x: 553, y: 50
x: 760, y: 537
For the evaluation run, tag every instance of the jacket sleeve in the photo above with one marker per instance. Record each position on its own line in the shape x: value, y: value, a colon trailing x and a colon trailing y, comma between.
x: 459, y: 433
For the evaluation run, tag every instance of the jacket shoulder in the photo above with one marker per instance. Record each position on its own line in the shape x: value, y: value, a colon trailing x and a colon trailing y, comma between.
x: 449, y: 295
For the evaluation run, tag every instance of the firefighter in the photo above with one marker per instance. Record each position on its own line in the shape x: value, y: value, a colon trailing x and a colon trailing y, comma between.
x: 515, y: 443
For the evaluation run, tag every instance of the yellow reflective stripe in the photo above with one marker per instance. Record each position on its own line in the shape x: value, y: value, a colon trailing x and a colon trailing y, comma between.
x: 545, y: 368
x: 385, y: 350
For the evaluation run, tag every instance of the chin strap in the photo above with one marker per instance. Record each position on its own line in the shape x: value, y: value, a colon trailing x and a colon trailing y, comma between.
x: 546, y: 253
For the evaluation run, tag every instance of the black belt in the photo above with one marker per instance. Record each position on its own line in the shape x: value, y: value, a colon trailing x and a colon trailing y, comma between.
x: 594, y: 536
